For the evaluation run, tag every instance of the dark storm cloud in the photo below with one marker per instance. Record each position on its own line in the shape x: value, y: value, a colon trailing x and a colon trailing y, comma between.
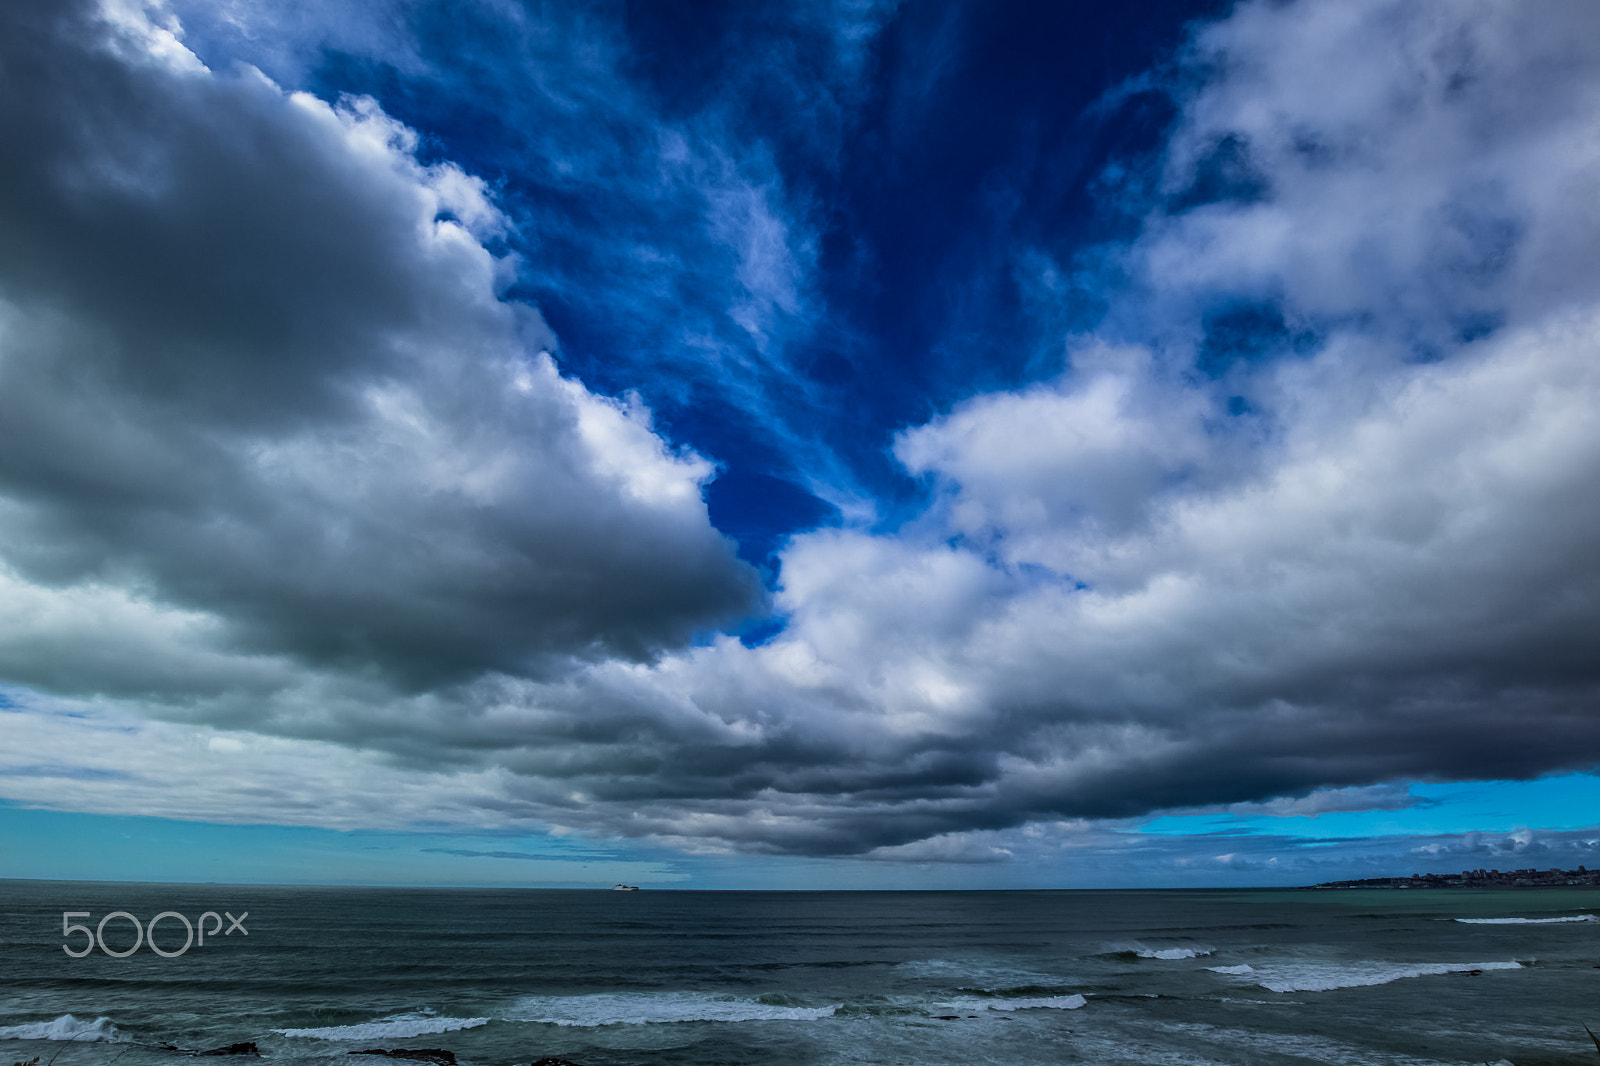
x: 255, y: 367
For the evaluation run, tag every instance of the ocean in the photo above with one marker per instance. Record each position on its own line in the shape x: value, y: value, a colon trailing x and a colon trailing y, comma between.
x: 502, y: 977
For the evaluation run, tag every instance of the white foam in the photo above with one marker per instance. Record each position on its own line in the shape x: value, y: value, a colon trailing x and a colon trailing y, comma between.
x: 1529, y: 921
x: 395, y: 1027
x: 1139, y: 949
x: 968, y: 1003
x: 1171, y: 953
x: 974, y: 973
x: 1323, y: 977
x: 652, y: 1008
x: 1235, y: 970
x: 65, y: 1027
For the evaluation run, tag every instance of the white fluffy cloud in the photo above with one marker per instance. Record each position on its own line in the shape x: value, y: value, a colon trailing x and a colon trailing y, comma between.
x: 1418, y: 168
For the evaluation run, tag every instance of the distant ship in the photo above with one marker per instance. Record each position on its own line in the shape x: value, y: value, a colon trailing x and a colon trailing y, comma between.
x: 624, y: 888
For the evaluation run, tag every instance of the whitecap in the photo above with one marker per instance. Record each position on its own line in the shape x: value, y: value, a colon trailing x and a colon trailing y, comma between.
x: 651, y: 1008
x: 973, y: 973
x: 65, y: 1027
x: 1529, y: 921
x: 1171, y: 953
x: 1323, y: 977
x: 1233, y: 970
x: 1139, y: 949
x: 395, y: 1027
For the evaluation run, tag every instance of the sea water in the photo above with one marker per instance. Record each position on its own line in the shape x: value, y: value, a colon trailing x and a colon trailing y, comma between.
x: 601, y: 978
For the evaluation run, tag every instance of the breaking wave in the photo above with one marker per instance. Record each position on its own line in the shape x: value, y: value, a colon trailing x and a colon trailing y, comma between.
x: 1138, y: 950
x: 650, y: 1008
x: 972, y: 972
x: 65, y: 1027
x: 397, y: 1027
x: 1528, y: 921
x: 1324, y: 977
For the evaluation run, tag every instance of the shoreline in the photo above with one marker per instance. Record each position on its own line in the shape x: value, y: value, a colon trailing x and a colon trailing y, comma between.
x: 1530, y: 878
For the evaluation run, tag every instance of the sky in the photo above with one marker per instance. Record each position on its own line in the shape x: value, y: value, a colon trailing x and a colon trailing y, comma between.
x: 823, y: 444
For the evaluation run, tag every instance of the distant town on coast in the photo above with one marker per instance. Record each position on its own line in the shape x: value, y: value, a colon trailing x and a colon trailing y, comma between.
x: 1552, y: 878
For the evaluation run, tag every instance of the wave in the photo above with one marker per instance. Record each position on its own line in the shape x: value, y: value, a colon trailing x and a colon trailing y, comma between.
x: 1232, y: 970
x: 396, y: 1027
x: 651, y: 1008
x: 972, y: 1003
x: 65, y: 1027
x: 1324, y: 977
x: 1171, y: 953
x: 1528, y: 921
x: 1137, y: 950
x: 974, y: 972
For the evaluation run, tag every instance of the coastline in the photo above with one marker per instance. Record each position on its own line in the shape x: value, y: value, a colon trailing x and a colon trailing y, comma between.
x: 1529, y: 878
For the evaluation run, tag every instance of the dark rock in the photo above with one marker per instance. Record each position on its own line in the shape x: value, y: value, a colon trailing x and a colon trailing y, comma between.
x: 437, y: 1056
x: 244, y: 1047
x: 948, y: 1017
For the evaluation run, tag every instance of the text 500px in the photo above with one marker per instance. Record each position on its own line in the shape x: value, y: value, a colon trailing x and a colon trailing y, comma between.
x: 143, y: 934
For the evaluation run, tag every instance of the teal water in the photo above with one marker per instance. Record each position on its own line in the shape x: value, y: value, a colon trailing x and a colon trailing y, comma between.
x: 792, y: 979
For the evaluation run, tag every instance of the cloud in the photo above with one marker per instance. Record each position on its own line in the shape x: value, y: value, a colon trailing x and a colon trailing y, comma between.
x: 109, y: 759
x: 654, y: 221
x: 1095, y: 452
x: 1411, y: 169
x: 966, y: 848
x: 1389, y: 797
x: 1562, y: 848
x: 1131, y: 595
x: 277, y: 456
x: 258, y: 386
